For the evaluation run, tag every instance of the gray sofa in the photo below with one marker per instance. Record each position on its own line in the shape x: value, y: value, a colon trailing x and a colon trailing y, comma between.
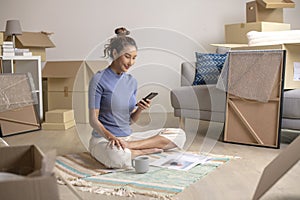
x: 204, y: 102
x: 291, y: 110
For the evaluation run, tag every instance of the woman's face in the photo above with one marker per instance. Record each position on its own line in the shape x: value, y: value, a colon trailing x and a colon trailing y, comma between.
x: 125, y: 59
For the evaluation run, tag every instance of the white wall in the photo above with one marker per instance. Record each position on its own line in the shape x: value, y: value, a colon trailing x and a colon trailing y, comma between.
x: 166, y: 31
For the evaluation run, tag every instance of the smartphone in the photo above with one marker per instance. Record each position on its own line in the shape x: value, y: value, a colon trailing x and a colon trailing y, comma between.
x: 150, y: 96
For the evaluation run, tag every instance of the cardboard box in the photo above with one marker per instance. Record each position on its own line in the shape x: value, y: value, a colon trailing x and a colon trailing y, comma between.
x: 67, y: 85
x: 255, y: 12
x: 276, y: 3
x: 24, y: 160
x: 59, y: 116
x: 78, y: 101
x: 20, y: 120
x: 292, y: 57
x: 237, y: 33
x: 67, y: 76
x: 36, y: 42
x: 58, y: 126
x: 59, y: 119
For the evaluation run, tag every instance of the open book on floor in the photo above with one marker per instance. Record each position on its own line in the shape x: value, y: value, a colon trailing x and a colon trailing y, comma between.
x: 180, y: 161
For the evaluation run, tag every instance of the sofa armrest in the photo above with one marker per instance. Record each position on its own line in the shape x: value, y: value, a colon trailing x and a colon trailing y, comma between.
x: 188, y: 71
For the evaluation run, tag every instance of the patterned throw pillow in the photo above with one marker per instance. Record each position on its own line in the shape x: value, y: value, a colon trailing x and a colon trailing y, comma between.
x: 208, y: 67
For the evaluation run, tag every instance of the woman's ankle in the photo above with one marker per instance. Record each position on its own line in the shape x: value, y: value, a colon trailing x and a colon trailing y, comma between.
x: 140, y: 152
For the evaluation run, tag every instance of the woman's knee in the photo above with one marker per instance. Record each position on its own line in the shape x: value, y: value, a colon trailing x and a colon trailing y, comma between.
x: 118, y: 158
x: 112, y: 157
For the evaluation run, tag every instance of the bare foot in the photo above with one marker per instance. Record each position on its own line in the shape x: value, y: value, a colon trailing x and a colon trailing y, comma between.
x: 135, y: 153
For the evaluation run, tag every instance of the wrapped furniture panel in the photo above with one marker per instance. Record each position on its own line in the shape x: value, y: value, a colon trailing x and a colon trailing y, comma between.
x: 18, y: 101
x: 253, y: 81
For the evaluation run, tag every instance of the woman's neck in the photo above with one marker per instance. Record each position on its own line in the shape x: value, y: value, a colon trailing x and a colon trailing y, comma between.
x: 115, y: 69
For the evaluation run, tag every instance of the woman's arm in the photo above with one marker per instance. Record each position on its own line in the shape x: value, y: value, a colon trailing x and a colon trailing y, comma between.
x: 102, y: 131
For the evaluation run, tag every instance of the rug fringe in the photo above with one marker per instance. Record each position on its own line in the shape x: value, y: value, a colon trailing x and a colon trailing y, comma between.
x: 85, y: 186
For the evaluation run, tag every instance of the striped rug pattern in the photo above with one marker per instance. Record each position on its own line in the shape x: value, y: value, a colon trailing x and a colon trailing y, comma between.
x: 87, y: 174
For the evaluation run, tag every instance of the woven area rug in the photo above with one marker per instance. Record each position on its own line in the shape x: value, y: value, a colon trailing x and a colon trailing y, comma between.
x: 86, y: 174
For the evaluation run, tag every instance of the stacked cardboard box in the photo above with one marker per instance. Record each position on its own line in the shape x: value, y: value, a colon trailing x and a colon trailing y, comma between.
x: 59, y: 119
x: 66, y: 86
x: 261, y: 15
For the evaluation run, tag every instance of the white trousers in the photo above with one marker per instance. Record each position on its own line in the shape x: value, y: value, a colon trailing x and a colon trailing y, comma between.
x: 119, y: 158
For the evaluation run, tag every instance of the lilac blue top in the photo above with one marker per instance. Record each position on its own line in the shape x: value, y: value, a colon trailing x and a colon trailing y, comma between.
x: 115, y: 97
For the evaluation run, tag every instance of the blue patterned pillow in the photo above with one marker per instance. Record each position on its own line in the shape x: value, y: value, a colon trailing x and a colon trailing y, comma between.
x: 208, y: 67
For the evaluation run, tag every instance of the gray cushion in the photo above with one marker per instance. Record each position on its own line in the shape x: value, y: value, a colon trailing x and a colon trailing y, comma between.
x: 290, y: 123
x: 291, y: 104
x: 201, y: 97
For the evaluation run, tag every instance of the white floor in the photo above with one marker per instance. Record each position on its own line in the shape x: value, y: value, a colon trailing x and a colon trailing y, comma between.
x: 236, y: 179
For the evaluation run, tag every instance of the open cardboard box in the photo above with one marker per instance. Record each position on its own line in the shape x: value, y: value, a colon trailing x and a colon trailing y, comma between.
x: 255, y: 12
x: 36, y: 42
x: 267, y: 10
x: 25, y: 160
x: 276, y: 3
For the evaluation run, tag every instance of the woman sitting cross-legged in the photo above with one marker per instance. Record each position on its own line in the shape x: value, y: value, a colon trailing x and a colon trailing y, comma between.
x: 113, y: 107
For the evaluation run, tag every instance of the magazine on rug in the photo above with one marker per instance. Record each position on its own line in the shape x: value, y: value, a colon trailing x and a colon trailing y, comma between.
x: 180, y: 161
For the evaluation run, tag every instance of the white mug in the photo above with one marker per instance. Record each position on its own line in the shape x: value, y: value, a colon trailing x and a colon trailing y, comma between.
x: 141, y: 164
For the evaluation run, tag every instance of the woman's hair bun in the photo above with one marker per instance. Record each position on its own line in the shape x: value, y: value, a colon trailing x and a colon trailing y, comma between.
x: 122, y: 31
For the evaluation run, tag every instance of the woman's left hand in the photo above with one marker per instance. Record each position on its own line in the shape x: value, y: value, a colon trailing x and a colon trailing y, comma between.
x: 144, y: 104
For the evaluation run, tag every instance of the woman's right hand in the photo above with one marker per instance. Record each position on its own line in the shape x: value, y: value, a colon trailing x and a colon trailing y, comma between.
x: 144, y: 104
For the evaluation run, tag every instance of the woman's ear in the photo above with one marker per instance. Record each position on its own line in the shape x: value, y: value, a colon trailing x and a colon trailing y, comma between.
x: 115, y: 54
